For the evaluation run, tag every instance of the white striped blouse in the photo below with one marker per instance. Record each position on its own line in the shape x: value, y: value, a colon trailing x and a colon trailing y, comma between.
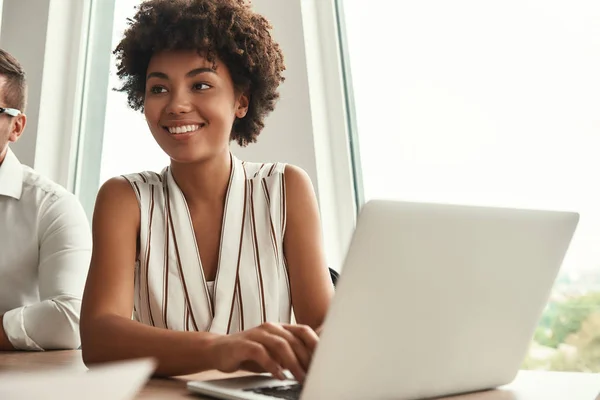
x: 251, y: 284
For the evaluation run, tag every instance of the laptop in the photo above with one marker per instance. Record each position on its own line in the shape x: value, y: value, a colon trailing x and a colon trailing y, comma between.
x: 433, y: 300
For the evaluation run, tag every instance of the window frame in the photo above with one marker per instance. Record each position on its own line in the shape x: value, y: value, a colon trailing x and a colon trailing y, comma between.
x: 93, y: 103
x: 346, y: 74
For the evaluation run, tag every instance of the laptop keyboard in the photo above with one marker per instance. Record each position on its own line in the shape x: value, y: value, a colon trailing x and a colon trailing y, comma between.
x: 288, y: 392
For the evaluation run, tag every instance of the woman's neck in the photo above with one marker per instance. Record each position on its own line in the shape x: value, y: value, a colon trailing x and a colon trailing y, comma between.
x: 205, y: 182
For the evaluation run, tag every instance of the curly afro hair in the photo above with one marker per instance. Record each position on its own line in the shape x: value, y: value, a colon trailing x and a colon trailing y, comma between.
x: 227, y: 29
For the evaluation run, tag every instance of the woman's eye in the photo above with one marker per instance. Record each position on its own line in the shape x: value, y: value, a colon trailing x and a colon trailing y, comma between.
x: 201, y: 86
x: 157, y: 89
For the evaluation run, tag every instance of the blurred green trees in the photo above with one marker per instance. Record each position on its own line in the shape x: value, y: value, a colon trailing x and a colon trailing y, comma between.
x: 568, y: 336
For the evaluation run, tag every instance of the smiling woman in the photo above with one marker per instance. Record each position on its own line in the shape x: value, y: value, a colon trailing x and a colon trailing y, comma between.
x: 216, y: 258
x: 203, y: 98
x: 235, y: 37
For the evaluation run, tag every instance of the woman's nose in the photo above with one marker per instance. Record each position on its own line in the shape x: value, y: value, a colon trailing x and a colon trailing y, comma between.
x: 179, y: 103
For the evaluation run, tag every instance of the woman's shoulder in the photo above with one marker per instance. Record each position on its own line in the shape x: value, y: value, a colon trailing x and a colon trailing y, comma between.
x: 116, y: 195
x: 144, y: 177
x: 297, y: 182
x: 274, y: 169
x: 289, y: 179
x: 130, y: 188
x: 257, y: 170
x: 278, y: 171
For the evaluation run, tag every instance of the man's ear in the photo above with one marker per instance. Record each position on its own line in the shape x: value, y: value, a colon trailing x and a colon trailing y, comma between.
x: 243, y: 103
x: 17, y: 127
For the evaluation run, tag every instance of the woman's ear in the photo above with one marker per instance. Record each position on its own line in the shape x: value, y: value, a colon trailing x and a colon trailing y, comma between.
x: 242, y: 106
x: 17, y: 127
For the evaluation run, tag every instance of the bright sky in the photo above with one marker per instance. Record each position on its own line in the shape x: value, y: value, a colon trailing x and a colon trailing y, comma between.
x: 481, y: 102
x: 468, y: 101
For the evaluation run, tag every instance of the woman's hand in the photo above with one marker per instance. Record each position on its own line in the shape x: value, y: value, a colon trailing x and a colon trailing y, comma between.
x: 319, y: 330
x: 269, y: 347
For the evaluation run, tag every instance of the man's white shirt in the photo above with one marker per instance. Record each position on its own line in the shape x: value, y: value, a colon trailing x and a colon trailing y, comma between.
x: 45, y: 250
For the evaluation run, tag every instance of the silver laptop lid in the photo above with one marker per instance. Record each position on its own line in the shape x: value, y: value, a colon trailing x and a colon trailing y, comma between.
x: 437, y: 299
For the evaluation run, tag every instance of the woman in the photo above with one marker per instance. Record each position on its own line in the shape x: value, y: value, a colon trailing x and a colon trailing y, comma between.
x: 215, y: 258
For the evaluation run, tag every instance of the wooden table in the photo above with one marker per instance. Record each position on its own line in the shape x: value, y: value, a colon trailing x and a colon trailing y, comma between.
x: 529, y: 385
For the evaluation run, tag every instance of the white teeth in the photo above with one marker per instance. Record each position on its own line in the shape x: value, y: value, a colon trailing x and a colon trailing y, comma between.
x: 183, y: 129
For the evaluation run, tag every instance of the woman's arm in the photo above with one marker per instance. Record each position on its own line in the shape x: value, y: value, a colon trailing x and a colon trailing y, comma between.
x: 109, y: 334
x: 310, y: 281
x: 107, y: 331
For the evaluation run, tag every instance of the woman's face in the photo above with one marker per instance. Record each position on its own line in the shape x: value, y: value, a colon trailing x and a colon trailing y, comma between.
x: 189, y: 106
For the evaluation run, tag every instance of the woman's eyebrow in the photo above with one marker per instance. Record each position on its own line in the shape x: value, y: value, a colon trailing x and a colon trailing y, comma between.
x: 160, y: 75
x: 191, y: 74
x: 198, y: 71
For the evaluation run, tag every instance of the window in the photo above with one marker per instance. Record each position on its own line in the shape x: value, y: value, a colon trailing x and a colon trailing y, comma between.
x: 115, y: 139
x: 124, y: 128
x: 489, y: 103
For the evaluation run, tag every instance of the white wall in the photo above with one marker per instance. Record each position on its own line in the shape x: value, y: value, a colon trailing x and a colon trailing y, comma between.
x: 23, y: 34
x: 288, y: 133
x: 46, y: 37
x: 1, y: 6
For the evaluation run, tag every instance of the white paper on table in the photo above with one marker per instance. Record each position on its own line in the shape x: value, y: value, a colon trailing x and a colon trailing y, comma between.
x: 114, y: 381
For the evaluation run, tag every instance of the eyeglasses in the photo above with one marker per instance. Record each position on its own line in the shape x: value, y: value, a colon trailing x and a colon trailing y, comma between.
x: 13, y: 112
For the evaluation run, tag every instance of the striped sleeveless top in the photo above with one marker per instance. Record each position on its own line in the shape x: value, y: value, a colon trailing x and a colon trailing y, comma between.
x: 251, y: 285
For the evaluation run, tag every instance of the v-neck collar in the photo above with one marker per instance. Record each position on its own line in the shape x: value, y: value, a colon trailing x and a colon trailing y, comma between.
x: 205, y: 314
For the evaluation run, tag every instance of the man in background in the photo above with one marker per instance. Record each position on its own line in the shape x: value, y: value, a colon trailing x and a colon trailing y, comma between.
x: 45, y: 240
